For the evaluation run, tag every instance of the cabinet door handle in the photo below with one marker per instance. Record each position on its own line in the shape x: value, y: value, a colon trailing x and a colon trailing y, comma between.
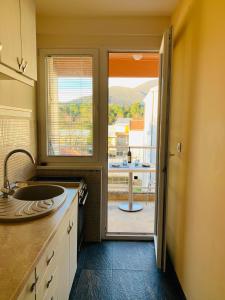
x: 1, y: 47
x: 34, y: 284
x: 69, y: 229
x: 49, y: 281
x: 32, y: 287
x: 24, y: 66
x: 50, y: 258
x: 20, y: 64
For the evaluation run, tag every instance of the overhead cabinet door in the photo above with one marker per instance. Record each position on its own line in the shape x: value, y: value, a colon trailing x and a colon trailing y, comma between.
x: 10, y: 42
x: 28, y: 38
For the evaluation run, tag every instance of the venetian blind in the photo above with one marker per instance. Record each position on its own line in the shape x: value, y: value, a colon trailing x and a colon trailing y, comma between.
x: 70, y: 105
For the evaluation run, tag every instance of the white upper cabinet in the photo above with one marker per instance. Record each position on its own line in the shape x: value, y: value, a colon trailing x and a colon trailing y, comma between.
x: 28, y: 38
x: 10, y: 40
x: 18, y: 58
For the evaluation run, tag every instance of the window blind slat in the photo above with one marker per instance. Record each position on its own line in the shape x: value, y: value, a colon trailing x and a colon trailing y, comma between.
x: 70, y: 105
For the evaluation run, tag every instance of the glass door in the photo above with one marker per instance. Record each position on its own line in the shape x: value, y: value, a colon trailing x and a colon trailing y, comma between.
x: 133, y: 84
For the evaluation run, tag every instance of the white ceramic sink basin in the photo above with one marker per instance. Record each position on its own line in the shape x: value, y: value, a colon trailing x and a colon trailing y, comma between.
x: 32, y: 202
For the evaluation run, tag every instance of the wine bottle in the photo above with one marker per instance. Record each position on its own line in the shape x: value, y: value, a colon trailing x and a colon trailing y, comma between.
x: 129, y: 156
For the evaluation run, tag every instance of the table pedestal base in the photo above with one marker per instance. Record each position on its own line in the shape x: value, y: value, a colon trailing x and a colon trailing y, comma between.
x: 134, y: 207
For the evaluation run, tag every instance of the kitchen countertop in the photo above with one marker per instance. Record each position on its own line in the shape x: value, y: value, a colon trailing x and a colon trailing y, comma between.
x: 22, y: 244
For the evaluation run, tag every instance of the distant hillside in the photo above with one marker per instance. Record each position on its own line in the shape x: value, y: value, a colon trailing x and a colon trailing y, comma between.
x: 127, y: 96
x: 124, y: 96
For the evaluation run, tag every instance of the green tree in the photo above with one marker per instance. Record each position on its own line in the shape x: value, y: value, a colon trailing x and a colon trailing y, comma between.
x: 137, y: 110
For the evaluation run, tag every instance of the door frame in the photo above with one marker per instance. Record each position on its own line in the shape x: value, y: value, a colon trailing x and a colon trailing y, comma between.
x: 162, y: 147
x: 104, y: 79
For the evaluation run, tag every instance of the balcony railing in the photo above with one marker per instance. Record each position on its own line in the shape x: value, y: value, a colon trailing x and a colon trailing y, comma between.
x: 143, y: 183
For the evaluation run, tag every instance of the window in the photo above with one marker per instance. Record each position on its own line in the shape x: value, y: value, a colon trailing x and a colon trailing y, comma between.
x: 68, y: 96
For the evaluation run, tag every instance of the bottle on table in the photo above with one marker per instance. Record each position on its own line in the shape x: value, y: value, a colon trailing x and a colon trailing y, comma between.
x: 129, y: 156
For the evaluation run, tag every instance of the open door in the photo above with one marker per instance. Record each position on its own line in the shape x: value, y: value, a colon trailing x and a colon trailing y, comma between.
x: 162, y: 146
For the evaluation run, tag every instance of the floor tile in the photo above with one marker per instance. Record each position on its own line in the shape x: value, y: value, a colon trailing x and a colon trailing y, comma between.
x: 81, y: 257
x: 75, y: 284
x: 98, y: 256
x: 132, y: 285
x: 94, y: 285
x: 133, y: 256
x: 122, y: 270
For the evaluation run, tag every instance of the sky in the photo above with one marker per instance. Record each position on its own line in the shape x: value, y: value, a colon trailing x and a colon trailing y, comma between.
x: 70, y: 88
x: 127, y: 82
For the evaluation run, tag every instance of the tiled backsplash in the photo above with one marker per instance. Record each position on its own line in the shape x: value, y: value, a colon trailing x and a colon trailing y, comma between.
x: 16, y: 133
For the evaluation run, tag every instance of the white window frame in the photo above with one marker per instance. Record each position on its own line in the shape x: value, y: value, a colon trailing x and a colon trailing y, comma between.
x: 42, y: 106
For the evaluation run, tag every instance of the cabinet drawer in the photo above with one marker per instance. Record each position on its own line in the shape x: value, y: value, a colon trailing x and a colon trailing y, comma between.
x: 48, y: 284
x: 28, y: 293
x: 73, y: 242
x: 49, y: 257
x: 51, y: 292
x: 47, y: 260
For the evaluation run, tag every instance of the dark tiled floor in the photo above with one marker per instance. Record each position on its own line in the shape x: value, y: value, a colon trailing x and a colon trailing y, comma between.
x: 122, y: 271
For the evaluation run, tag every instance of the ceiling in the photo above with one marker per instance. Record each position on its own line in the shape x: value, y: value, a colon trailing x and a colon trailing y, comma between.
x: 134, y: 64
x: 104, y: 8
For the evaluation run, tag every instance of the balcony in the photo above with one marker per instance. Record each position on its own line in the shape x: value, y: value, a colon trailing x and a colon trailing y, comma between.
x: 143, y: 190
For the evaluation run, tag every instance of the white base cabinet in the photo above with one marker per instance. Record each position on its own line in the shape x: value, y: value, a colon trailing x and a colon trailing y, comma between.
x: 72, y: 246
x: 54, y: 274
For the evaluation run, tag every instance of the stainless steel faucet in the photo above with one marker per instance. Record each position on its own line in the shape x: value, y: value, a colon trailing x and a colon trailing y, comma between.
x: 6, y: 188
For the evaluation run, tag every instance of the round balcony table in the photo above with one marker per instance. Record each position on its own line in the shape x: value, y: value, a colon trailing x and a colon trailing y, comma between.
x: 130, y: 206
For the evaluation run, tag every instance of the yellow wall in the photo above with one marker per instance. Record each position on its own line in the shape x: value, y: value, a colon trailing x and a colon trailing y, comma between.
x: 196, y: 188
x: 110, y: 32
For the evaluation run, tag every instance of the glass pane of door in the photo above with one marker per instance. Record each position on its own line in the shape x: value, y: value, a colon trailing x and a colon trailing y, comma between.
x: 132, y: 126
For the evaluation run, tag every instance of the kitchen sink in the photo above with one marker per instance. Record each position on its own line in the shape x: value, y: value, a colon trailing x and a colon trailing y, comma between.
x: 32, y: 202
x: 38, y: 192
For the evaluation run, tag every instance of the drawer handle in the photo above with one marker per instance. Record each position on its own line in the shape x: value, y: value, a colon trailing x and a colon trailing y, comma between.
x: 50, y: 258
x: 49, y: 282
x: 34, y: 284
